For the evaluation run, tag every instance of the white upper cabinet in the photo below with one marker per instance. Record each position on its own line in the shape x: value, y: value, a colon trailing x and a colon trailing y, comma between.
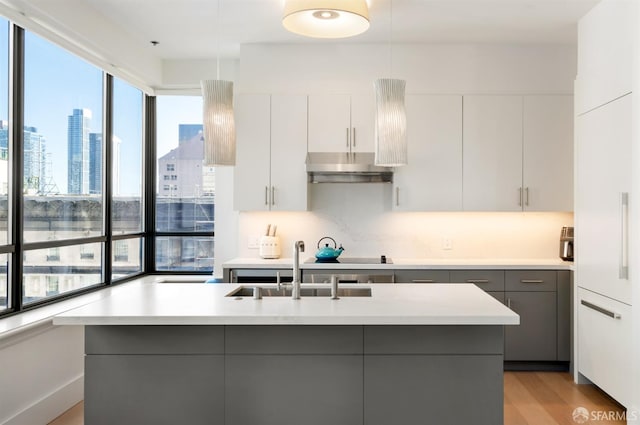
x: 432, y: 180
x: 288, y: 153
x: 605, y: 54
x: 492, y: 153
x: 341, y: 123
x: 518, y: 153
x: 271, y: 150
x: 547, y: 170
x: 253, y: 145
x: 603, y: 175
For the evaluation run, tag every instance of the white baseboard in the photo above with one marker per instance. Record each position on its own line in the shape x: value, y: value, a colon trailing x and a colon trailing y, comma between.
x: 53, y: 405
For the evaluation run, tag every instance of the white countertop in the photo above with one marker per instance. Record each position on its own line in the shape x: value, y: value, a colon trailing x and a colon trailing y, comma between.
x: 411, y: 263
x: 145, y: 303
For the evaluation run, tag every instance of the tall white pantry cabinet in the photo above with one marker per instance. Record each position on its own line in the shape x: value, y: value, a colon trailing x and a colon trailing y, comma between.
x: 607, y: 229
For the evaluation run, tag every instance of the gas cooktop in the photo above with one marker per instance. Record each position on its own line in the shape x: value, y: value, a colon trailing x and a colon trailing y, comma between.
x: 383, y: 259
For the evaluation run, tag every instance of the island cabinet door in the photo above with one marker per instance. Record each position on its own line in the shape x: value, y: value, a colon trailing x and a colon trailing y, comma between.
x: 445, y: 375
x: 154, y: 389
x: 290, y: 375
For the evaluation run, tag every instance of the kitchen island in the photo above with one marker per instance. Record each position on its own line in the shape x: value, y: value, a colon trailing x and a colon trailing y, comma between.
x: 188, y: 353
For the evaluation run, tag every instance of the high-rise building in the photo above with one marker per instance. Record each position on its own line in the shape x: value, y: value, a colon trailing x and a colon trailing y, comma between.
x: 95, y: 164
x: 35, y: 171
x: 78, y: 151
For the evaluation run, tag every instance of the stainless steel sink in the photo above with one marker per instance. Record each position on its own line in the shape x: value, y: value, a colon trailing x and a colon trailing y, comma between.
x: 247, y: 291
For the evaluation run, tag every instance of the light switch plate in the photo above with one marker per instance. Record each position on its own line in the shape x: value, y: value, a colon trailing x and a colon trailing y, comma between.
x: 447, y: 244
x: 253, y: 242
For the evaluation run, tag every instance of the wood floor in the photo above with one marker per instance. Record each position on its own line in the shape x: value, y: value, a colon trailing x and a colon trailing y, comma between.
x: 530, y: 398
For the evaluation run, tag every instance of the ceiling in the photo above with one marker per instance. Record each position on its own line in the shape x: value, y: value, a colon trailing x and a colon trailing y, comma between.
x: 186, y: 29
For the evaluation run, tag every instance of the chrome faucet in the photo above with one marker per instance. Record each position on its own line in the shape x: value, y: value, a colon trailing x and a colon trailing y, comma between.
x: 298, y: 247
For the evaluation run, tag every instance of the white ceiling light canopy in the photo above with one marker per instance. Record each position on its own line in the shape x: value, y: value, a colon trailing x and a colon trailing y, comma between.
x: 326, y: 18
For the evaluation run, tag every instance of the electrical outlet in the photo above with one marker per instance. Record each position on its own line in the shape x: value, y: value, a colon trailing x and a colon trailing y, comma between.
x: 254, y: 242
x: 447, y: 244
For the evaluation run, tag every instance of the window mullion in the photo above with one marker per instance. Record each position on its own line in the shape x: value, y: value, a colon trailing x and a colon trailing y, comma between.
x: 107, y: 174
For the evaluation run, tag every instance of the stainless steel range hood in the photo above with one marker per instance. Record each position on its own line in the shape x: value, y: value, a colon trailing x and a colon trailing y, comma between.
x: 344, y: 167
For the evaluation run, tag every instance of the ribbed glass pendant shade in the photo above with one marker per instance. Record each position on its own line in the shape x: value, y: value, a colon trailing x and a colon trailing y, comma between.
x: 391, y: 123
x: 218, y: 122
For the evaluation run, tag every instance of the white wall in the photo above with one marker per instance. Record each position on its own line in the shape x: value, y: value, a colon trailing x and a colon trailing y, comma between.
x: 359, y: 216
x: 42, y: 374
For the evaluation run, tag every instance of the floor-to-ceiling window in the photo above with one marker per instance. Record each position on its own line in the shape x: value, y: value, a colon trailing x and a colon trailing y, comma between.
x: 127, y: 206
x: 5, y: 247
x: 72, y: 173
x: 62, y: 208
x: 185, y: 188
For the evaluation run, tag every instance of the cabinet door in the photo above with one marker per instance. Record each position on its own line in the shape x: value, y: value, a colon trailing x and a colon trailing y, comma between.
x: 294, y: 389
x: 252, y: 170
x: 603, y: 171
x: 432, y: 180
x: 605, y: 53
x: 605, y: 344
x: 329, y: 123
x: 548, y: 153
x: 288, y: 153
x: 492, y: 153
x: 487, y: 280
x: 154, y: 389
x: 535, y: 338
x: 362, y: 122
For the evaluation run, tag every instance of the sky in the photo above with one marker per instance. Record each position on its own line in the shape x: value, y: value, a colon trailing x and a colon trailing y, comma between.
x: 56, y: 82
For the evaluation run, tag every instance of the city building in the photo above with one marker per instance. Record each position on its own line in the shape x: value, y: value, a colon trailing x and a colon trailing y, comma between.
x: 79, y: 123
x: 95, y: 164
x: 181, y: 172
x: 35, y: 169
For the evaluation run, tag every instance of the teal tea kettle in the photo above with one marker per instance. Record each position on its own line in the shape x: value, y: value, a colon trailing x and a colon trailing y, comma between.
x: 326, y: 253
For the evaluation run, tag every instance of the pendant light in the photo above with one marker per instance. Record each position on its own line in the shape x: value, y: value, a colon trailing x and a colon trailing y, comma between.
x: 326, y: 18
x: 218, y: 121
x: 390, y: 115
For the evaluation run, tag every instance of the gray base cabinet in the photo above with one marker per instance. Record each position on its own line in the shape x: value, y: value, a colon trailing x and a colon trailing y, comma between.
x: 290, y: 375
x: 535, y: 338
x: 299, y: 389
x: 402, y: 390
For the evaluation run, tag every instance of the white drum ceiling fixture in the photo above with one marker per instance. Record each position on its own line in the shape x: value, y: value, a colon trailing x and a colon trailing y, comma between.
x: 326, y: 18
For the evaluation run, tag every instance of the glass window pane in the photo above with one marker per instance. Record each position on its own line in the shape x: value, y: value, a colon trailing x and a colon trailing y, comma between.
x: 127, y: 158
x: 184, y: 254
x: 4, y: 282
x: 185, y: 187
x: 4, y: 126
x: 54, y: 271
x: 63, y: 126
x: 127, y: 257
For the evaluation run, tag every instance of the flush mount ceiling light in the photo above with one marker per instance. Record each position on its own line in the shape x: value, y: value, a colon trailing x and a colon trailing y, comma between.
x: 326, y: 18
x: 217, y: 117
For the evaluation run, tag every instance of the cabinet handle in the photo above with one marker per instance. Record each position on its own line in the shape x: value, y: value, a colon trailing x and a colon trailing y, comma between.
x: 531, y: 281
x: 477, y: 280
x: 599, y: 309
x: 347, y: 137
x: 509, y: 302
x: 353, y: 137
x: 397, y: 196
x: 422, y: 281
x: 520, y: 197
x: 624, y: 236
x: 526, y: 197
x: 266, y: 195
x: 273, y: 195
